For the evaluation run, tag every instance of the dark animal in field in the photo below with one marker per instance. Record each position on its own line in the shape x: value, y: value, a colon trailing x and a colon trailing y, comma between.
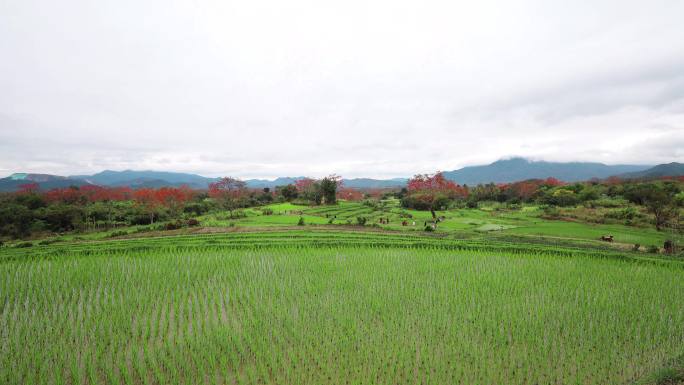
x: 404, y: 223
x: 607, y: 238
x: 669, y: 247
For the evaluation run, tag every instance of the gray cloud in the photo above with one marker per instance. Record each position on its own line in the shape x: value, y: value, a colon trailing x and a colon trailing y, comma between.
x: 388, y: 88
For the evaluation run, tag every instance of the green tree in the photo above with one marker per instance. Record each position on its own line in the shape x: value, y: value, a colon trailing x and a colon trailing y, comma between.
x: 328, y: 187
x: 288, y: 192
x: 63, y: 217
x: 15, y: 220
x: 658, y: 199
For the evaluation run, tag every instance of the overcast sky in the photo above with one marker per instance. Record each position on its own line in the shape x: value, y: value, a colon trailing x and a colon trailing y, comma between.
x: 359, y: 88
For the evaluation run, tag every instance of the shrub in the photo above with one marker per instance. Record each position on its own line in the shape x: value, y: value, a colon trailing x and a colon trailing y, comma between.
x: 173, y: 225
x: 607, y: 203
x: 301, y: 221
x: 238, y: 214
x: 266, y: 211
x: 48, y: 241
x: 361, y: 221
x: 118, y: 233
x: 627, y: 213
x: 24, y: 244
x: 551, y: 212
x: 197, y: 208
x: 653, y: 249
x: 424, y: 202
x: 64, y: 217
x: 636, y: 247
x: 429, y: 228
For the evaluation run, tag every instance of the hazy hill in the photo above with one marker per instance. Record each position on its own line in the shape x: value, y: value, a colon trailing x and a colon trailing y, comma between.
x: 661, y: 170
x: 374, y: 183
x: 263, y: 183
x: 44, y: 181
x: 156, y: 179
x: 516, y: 169
x: 507, y: 170
x: 146, y: 179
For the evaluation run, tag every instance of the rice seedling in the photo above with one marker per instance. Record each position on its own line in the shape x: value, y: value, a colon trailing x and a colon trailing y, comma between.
x: 333, y: 307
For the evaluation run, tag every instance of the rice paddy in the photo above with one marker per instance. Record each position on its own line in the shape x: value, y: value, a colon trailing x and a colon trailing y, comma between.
x: 334, y: 307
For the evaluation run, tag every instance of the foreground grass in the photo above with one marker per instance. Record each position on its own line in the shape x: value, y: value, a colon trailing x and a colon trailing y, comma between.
x: 331, y: 307
x: 672, y: 373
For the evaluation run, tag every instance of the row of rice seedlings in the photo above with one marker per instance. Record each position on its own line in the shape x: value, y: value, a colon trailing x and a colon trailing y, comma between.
x: 359, y: 315
x: 276, y: 239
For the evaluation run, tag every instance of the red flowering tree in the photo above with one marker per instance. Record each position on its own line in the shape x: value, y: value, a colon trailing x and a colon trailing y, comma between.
x: 309, y: 189
x: 350, y: 194
x: 433, y: 191
x: 229, y: 192
x: 29, y: 188
x: 376, y: 193
x: 173, y: 198
x: 319, y: 191
x: 304, y: 184
x: 147, y: 199
x: 69, y: 195
x: 553, y: 182
x: 117, y: 194
x: 88, y: 193
x: 523, y: 191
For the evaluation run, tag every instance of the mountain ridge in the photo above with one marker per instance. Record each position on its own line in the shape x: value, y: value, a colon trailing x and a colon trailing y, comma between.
x: 518, y: 168
x: 661, y: 170
x: 500, y: 171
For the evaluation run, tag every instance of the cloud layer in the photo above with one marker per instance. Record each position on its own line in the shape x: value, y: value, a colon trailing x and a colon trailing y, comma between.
x: 383, y: 88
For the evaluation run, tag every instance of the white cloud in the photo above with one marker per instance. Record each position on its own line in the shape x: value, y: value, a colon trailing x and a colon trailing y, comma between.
x: 383, y: 88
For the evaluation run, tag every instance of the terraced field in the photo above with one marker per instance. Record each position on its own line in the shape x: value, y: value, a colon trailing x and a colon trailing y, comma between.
x: 485, y: 223
x: 336, y: 307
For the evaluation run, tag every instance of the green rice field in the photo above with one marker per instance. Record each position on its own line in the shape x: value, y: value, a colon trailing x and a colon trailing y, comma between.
x: 335, y: 307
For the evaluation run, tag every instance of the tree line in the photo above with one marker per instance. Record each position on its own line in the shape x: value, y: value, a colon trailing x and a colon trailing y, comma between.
x: 88, y: 208
x: 663, y: 199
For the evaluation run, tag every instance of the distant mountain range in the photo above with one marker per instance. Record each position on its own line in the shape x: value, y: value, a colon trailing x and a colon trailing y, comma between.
x: 374, y: 183
x: 44, y: 181
x: 140, y: 179
x: 661, y: 170
x: 264, y: 183
x: 516, y: 169
x: 156, y: 179
x: 507, y: 170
